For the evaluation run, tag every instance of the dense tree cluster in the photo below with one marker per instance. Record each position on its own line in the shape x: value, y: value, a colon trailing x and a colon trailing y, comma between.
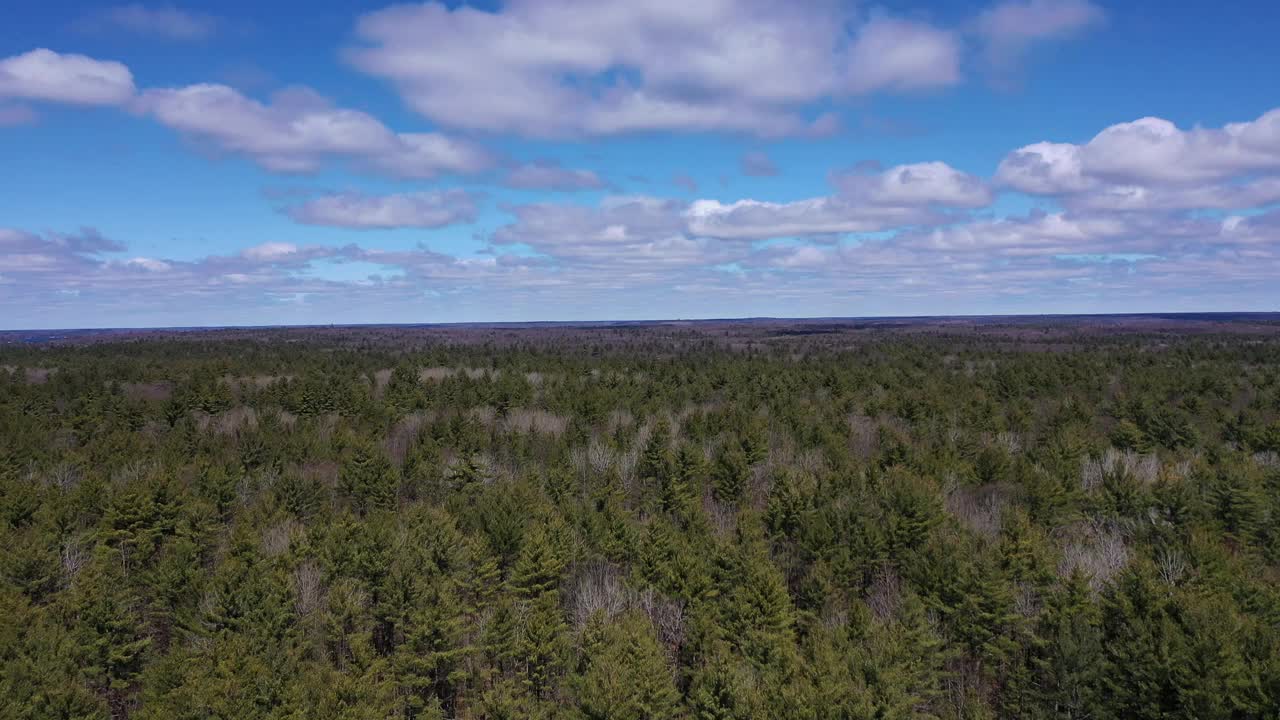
x: 684, y: 526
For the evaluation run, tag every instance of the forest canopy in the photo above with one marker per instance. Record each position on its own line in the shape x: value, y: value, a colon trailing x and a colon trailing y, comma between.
x: 642, y: 522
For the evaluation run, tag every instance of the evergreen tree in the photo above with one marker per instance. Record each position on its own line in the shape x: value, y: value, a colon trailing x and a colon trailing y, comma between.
x: 368, y: 479
x: 627, y: 676
x: 429, y: 664
x: 731, y: 474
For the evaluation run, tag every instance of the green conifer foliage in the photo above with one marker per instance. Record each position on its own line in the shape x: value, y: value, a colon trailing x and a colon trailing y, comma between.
x: 1016, y: 521
x: 368, y: 479
x: 628, y: 676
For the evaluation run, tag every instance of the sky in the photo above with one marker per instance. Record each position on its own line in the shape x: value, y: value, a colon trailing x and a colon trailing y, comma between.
x: 249, y: 163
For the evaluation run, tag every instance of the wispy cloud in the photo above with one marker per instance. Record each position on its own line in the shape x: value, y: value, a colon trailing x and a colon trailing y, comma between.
x: 16, y: 114
x: 550, y: 175
x: 1009, y: 29
x: 162, y: 21
x: 758, y: 164
x: 404, y: 210
x: 685, y: 183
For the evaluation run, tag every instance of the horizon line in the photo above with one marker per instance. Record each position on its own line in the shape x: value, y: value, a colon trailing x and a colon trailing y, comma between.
x: 1190, y: 314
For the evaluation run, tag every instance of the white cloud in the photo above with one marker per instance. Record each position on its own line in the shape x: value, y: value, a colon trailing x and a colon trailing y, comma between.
x: 149, y: 264
x: 902, y: 196
x: 1150, y: 163
x: 917, y: 184
x: 1044, y: 168
x: 1248, y: 194
x: 270, y: 252
x: 760, y: 220
x: 624, y: 242
x: 52, y: 253
x: 1036, y: 234
x: 420, y: 209
x: 1155, y: 150
x: 299, y: 129
x: 636, y: 256
x: 292, y: 133
x: 805, y: 256
x: 422, y: 156
x: 557, y: 67
x: 620, y: 229
x: 48, y: 76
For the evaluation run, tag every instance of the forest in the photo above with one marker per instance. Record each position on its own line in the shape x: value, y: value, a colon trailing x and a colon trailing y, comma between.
x: 702, y: 522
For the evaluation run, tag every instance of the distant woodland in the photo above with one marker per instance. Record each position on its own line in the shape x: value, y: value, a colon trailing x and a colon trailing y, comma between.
x: 705, y: 523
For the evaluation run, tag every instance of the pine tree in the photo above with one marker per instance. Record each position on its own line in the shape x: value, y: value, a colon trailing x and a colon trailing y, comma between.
x: 690, y: 476
x: 759, y: 614
x: 628, y: 677
x: 907, y: 659
x: 429, y: 663
x: 724, y: 688
x: 368, y: 479
x: 501, y: 635
x: 656, y: 463
x: 656, y: 468
x: 110, y: 643
x: 539, y: 566
x: 543, y: 643
x: 1066, y: 657
x: 731, y: 474
x: 1143, y: 649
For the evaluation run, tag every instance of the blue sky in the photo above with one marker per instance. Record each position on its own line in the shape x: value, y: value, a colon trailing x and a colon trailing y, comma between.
x: 249, y: 163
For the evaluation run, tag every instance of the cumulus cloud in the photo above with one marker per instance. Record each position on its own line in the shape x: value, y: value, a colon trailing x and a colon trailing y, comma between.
x: 298, y: 130
x: 1155, y: 150
x: 1150, y: 163
x: 1044, y: 168
x: 914, y: 185
x: 758, y: 164
x: 45, y: 75
x: 550, y: 175
x: 568, y: 68
x: 420, y: 209
x: 165, y: 22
